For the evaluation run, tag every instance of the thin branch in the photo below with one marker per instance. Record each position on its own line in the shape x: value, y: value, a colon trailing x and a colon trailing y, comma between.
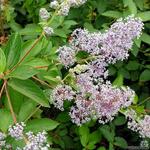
x: 2, y: 89
x: 32, y: 113
x: 148, y: 98
x: 9, y: 103
x: 41, y: 81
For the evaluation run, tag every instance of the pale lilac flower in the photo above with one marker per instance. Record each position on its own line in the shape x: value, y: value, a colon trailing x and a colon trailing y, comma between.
x: 44, y: 14
x: 16, y: 131
x: 48, y: 30
x: 60, y: 94
x: 67, y: 56
x: 36, y: 142
x: 54, y: 4
x: 97, y: 68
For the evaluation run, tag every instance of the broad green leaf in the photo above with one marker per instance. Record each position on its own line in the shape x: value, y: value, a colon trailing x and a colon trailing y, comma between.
x: 26, y: 109
x: 145, y: 38
x: 118, y: 81
x: 35, y: 50
x: 140, y: 4
x: 112, y: 14
x: 145, y: 16
x: 132, y: 65
x: 131, y: 5
x: 30, y: 90
x: 120, y: 120
x: 13, y: 49
x: 135, y: 99
x: 23, y: 72
x: 145, y: 75
x: 2, y: 61
x: 37, y: 125
x: 101, y: 148
x: 84, y: 135
x: 121, y: 142
x: 6, y: 119
x: 95, y: 137
x: 68, y: 23
x: 111, y: 147
x: 107, y: 133
x: 31, y: 29
x: 37, y: 62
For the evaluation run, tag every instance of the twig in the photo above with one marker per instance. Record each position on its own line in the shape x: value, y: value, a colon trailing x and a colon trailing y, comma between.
x: 32, y: 113
x: 9, y: 103
x: 42, y: 82
x: 144, y: 101
x: 2, y: 89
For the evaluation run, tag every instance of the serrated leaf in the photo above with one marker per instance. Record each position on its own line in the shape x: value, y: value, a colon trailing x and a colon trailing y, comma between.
x: 30, y: 90
x: 2, y: 61
x: 37, y: 125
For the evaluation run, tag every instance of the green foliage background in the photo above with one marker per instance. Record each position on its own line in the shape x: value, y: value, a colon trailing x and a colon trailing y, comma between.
x: 96, y: 15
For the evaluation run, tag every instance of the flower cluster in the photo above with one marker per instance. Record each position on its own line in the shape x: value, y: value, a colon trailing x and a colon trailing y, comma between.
x: 65, y: 5
x: 34, y: 142
x: 94, y: 96
x: 16, y: 131
x: 44, y: 16
x: 141, y: 125
x: 60, y: 94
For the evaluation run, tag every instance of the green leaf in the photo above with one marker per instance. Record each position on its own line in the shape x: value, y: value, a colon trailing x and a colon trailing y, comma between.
x: 30, y: 90
x: 68, y: 23
x: 132, y: 65
x: 23, y: 72
x: 2, y: 61
x: 37, y: 125
x: 112, y: 14
x: 140, y: 4
x: 26, y: 109
x: 131, y: 5
x: 145, y: 38
x: 118, y: 81
x: 30, y: 29
x: 145, y: 75
x: 13, y: 49
x: 35, y: 50
x: 121, y: 142
x: 120, y: 120
x: 6, y: 119
x: 84, y: 135
x: 101, y: 148
x: 16, y: 100
x: 95, y: 137
x: 145, y: 16
x: 107, y: 133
